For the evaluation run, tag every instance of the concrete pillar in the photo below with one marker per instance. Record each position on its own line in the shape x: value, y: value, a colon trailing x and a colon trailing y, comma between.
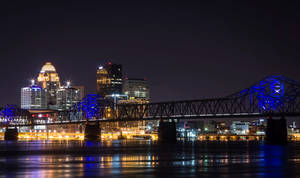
x: 276, y: 133
x: 11, y: 134
x: 80, y: 128
x: 167, y: 131
x: 92, y: 131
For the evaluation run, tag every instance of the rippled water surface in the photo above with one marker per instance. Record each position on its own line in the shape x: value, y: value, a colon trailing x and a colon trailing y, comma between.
x: 148, y: 159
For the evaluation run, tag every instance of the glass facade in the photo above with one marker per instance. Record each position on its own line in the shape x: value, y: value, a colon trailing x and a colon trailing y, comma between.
x: 109, y: 79
x: 33, y: 97
x: 136, y: 89
x: 67, y: 97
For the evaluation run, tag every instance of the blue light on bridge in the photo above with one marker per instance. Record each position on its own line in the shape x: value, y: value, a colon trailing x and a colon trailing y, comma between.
x: 89, y: 106
x: 8, y: 112
x: 270, y: 93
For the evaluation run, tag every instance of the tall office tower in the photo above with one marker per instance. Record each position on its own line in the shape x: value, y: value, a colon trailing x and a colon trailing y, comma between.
x: 33, y: 97
x: 136, y: 89
x: 67, y: 97
x: 109, y: 79
x: 82, y: 91
x: 48, y: 79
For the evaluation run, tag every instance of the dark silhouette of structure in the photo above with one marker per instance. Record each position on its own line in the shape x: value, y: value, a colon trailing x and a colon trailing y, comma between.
x: 92, y: 131
x: 276, y: 131
x: 167, y: 132
x: 11, y: 134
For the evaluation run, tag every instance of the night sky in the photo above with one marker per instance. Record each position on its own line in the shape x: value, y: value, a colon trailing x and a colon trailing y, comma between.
x: 187, y: 50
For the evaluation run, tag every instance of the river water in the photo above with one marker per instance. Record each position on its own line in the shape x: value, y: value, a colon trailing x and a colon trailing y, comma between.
x: 148, y: 159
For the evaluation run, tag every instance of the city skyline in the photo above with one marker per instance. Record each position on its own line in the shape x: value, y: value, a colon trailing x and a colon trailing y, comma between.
x: 149, y: 88
x: 182, y: 55
x: 74, y: 82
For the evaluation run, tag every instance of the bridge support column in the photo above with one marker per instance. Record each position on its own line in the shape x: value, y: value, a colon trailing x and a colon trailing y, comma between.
x: 92, y: 131
x: 276, y: 133
x: 167, y: 132
x: 11, y: 134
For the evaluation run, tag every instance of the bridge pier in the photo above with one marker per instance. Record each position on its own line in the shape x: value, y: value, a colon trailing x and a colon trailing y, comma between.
x: 11, y: 134
x: 276, y: 133
x: 92, y: 131
x: 167, y: 132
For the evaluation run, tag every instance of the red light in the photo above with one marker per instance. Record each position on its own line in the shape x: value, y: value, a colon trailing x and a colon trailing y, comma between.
x: 109, y: 63
x: 33, y: 115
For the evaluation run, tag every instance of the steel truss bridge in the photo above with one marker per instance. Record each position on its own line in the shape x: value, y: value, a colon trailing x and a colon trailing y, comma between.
x: 272, y: 96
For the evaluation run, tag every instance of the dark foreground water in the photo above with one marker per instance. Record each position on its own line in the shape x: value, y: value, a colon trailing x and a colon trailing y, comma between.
x: 147, y: 159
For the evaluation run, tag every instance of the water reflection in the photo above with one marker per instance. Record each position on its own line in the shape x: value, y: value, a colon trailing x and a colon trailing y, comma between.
x: 143, y: 158
x: 274, y: 160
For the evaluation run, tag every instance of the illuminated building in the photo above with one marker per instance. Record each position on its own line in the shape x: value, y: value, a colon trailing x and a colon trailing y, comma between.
x: 222, y: 128
x: 109, y: 79
x: 240, y: 127
x: 33, y: 97
x: 210, y: 126
x: 133, y: 101
x: 136, y: 89
x: 48, y: 79
x: 67, y: 97
x: 116, y: 98
x: 189, y: 129
x: 82, y: 91
x: 258, y: 127
x: 137, y: 92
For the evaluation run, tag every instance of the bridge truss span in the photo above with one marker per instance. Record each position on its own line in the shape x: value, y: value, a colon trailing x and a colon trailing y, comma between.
x: 272, y: 96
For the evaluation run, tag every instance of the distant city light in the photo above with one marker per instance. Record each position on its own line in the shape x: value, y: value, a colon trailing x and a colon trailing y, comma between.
x: 115, y: 95
x: 100, y: 67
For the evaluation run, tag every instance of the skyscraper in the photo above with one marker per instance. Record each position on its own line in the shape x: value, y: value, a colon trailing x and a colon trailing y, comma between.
x: 33, y: 97
x: 67, y: 97
x: 48, y: 79
x: 109, y: 79
x: 136, y: 88
x: 81, y: 88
